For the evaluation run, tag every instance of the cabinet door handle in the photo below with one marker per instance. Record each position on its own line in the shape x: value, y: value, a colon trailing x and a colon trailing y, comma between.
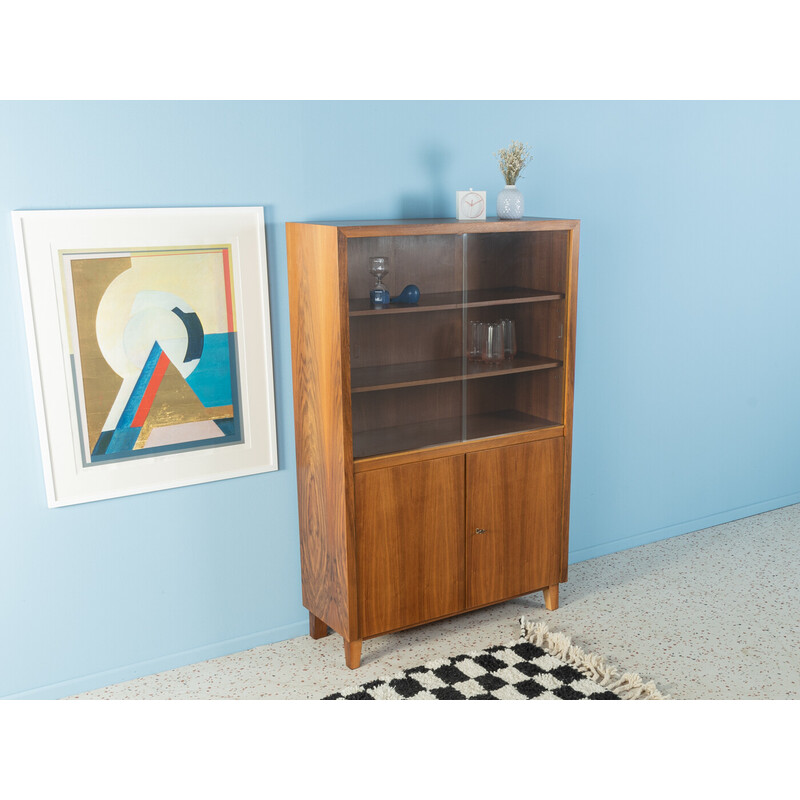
x: 480, y: 530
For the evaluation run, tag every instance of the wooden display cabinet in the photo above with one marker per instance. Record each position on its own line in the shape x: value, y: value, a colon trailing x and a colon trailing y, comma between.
x: 429, y: 484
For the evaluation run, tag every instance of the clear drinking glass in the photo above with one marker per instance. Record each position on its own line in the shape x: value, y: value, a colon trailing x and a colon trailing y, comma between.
x: 492, y: 350
x: 475, y: 340
x: 509, y: 338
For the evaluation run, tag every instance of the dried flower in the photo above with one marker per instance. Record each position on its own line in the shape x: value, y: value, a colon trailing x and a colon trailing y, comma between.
x: 512, y: 160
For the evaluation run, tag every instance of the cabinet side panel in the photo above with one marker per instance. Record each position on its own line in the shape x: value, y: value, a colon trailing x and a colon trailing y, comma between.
x: 322, y: 435
x: 569, y: 381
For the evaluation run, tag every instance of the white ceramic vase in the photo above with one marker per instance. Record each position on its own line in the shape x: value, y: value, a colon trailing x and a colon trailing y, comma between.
x: 510, y: 203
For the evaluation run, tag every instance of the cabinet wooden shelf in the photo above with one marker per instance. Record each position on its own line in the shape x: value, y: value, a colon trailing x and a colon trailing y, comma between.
x: 475, y: 298
x: 444, y: 431
x: 429, y: 484
x: 418, y: 373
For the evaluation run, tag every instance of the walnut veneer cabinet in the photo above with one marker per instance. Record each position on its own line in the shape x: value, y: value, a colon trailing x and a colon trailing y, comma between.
x: 430, y: 484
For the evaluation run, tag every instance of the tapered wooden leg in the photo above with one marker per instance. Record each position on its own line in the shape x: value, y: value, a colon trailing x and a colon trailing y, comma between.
x: 317, y: 629
x: 352, y: 653
x: 550, y: 597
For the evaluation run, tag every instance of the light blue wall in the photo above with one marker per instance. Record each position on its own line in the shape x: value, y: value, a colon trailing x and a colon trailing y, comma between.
x: 687, y: 380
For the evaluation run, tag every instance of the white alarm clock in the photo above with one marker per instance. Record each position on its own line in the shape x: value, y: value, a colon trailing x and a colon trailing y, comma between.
x: 470, y: 205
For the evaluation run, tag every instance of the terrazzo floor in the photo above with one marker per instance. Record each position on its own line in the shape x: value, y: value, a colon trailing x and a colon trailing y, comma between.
x: 713, y: 614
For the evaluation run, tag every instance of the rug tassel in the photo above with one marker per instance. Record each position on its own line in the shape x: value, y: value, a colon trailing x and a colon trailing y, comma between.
x: 629, y: 686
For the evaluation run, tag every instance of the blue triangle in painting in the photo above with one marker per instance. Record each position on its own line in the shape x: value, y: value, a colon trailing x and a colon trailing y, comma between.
x: 123, y: 440
x: 102, y: 443
x: 227, y: 426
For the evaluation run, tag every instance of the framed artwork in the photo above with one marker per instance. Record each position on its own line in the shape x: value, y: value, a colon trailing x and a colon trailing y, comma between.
x: 149, y: 340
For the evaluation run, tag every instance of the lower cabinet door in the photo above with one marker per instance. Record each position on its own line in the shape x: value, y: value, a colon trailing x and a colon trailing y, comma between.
x: 514, y: 520
x: 409, y: 543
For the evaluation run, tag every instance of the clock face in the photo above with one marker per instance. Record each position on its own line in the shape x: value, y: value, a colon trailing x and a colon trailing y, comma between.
x: 472, y: 205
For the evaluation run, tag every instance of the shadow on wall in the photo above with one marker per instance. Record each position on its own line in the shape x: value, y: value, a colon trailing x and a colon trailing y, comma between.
x: 436, y: 202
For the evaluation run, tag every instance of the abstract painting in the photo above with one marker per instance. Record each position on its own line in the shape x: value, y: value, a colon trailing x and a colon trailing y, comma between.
x: 158, y: 336
x: 152, y: 350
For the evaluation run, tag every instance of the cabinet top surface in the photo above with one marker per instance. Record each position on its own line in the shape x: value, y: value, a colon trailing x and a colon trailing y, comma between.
x: 388, y: 227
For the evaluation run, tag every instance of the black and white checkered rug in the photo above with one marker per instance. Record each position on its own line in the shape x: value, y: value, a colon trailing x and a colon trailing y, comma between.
x: 539, y: 666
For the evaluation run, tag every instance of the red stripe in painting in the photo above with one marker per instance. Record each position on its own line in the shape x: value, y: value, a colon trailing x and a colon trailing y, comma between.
x: 150, y: 392
x: 228, y: 295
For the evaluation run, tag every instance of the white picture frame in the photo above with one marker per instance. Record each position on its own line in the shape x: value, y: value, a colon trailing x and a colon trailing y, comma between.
x: 226, y: 246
